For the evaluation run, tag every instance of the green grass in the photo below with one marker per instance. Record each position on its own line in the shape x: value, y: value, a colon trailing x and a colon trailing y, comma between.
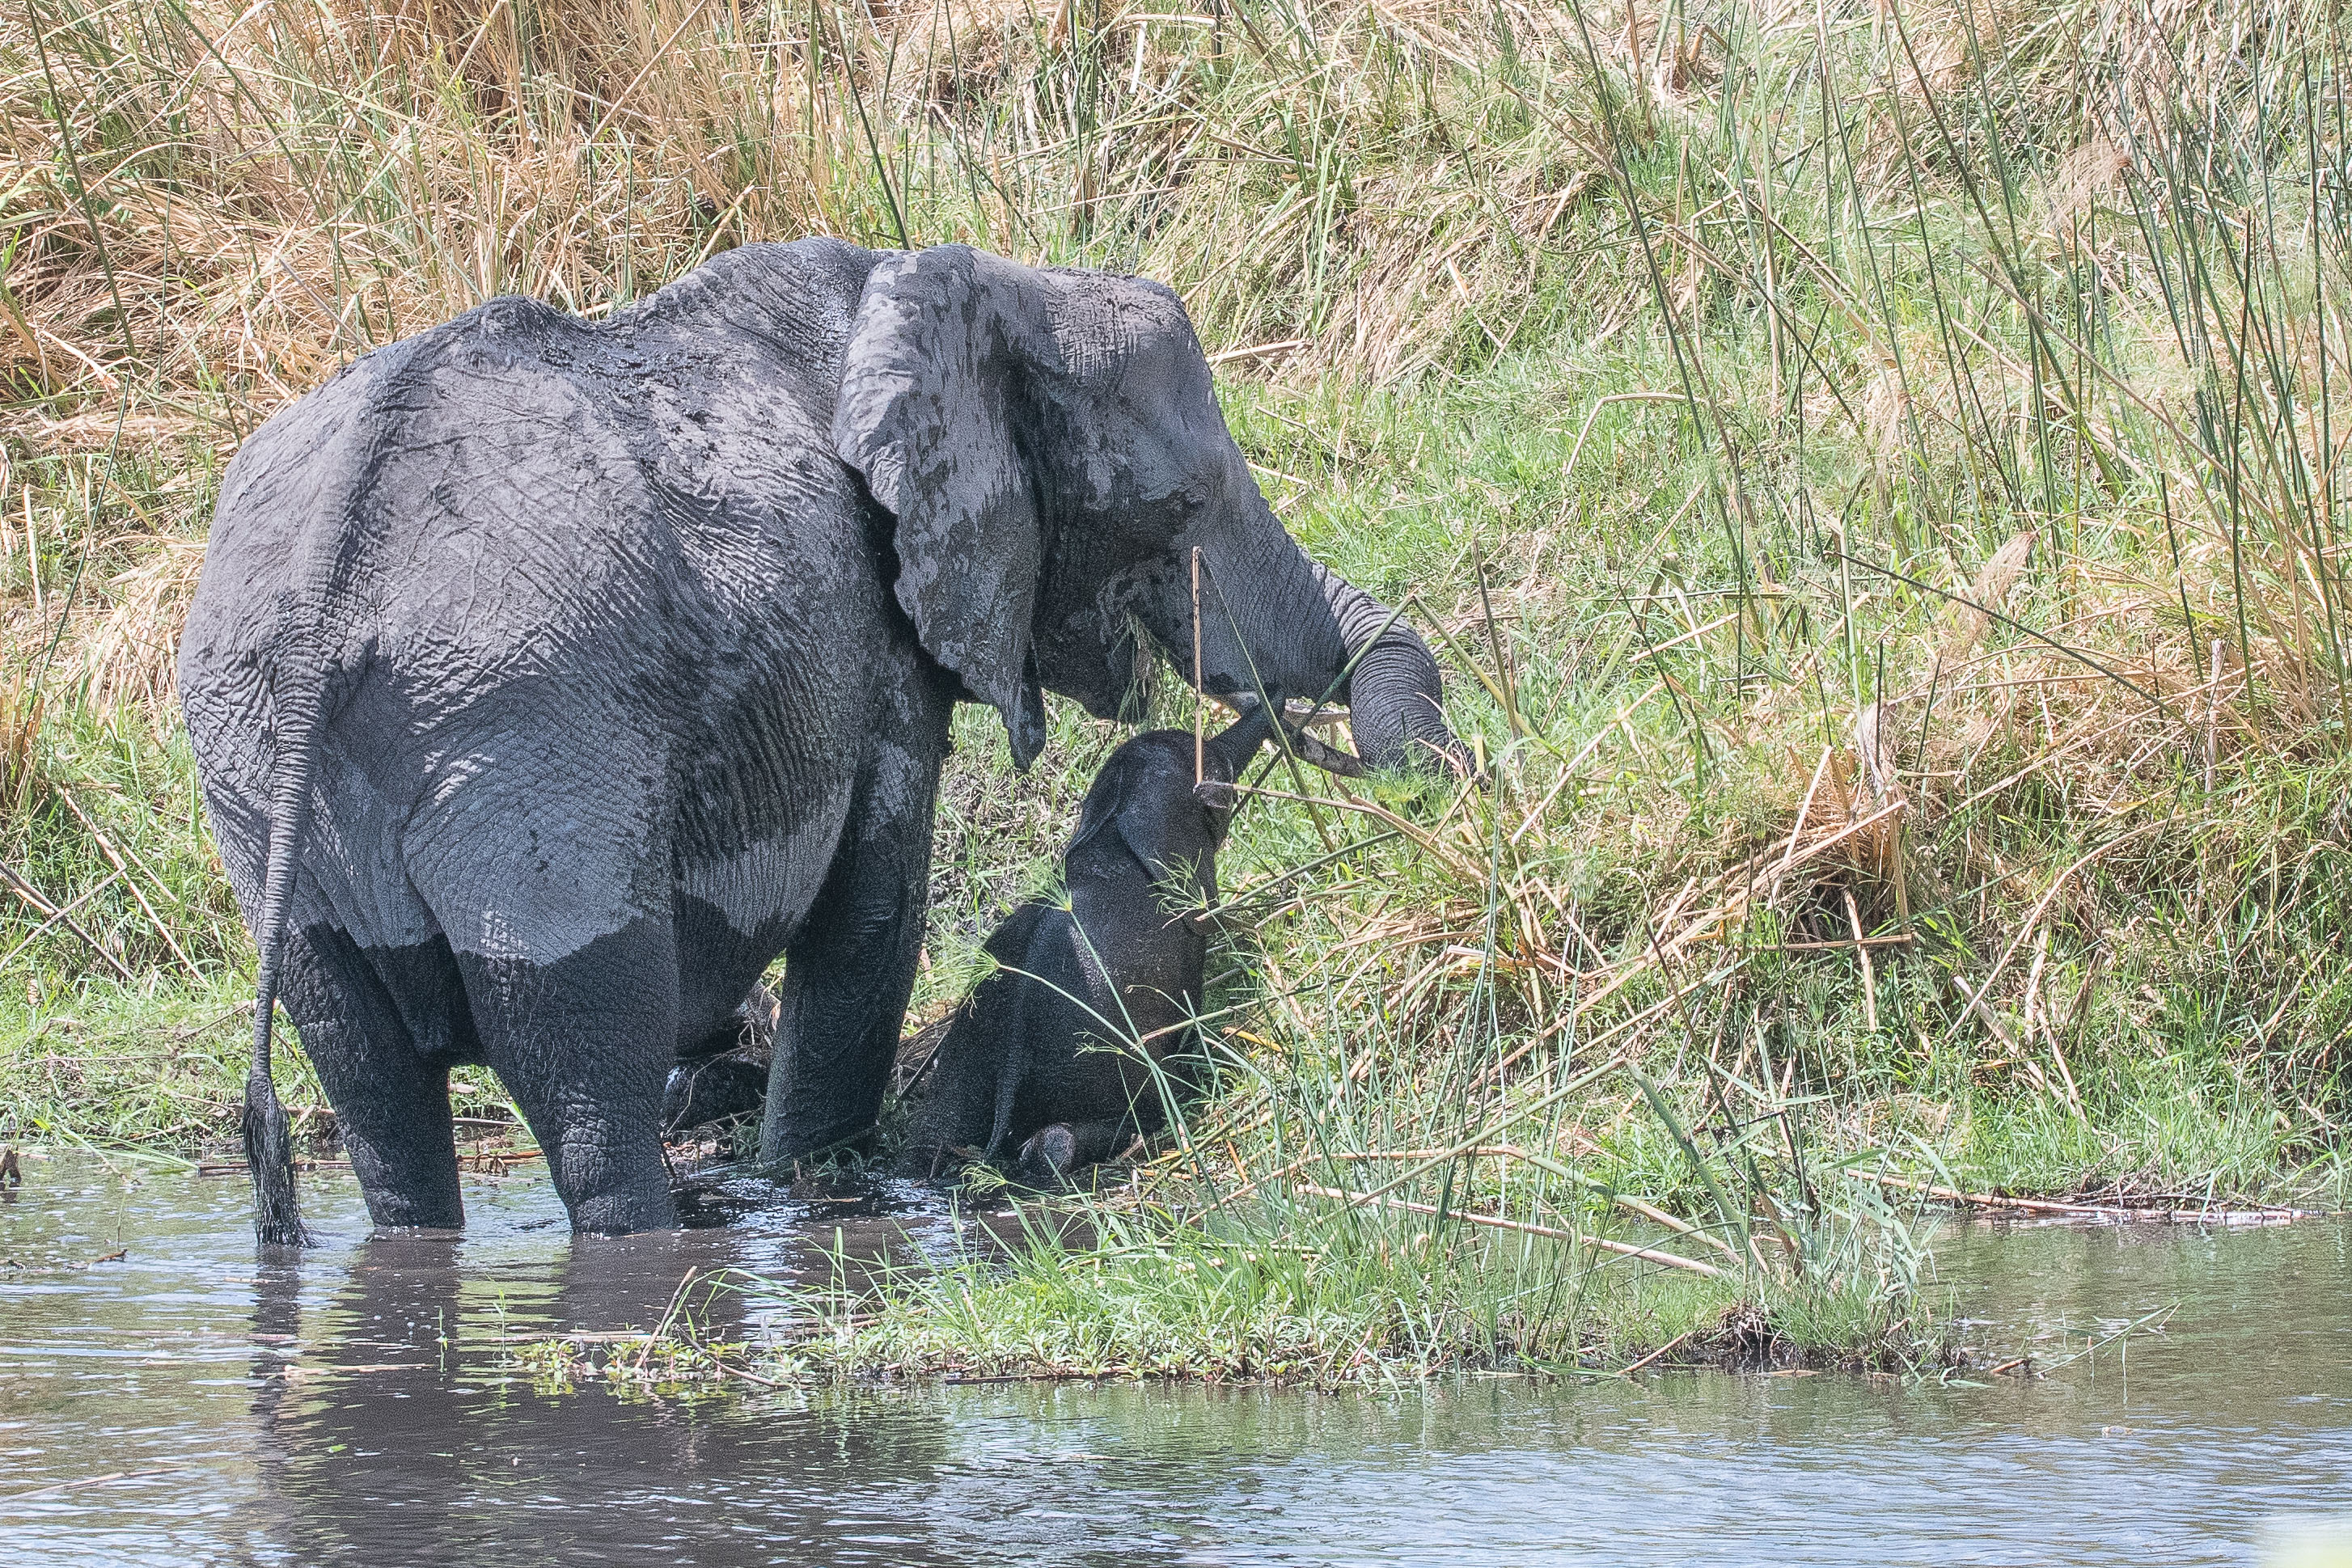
x: 1870, y: 471
x: 1274, y: 1292
x: 1273, y: 1296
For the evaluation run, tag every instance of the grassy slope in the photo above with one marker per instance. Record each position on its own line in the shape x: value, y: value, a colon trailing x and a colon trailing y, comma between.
x: 1681, y: 395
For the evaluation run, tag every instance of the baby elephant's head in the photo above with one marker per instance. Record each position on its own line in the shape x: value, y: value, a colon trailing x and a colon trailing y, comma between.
x: 1169, y: 799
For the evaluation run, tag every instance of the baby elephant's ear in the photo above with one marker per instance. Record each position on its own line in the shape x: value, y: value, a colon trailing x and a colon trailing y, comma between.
x: 936, y: 396
x: 1147, y: 801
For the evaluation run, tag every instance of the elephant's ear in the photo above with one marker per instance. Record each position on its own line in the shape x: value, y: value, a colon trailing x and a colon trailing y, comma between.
x: 1151, y: 819
x: 935, y: 391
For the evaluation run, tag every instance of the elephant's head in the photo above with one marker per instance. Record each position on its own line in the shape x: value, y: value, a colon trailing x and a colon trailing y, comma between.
x: 1050, y: 446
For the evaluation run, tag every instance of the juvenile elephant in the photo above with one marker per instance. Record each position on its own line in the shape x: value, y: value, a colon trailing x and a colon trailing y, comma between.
x: 1071, y: 1046
x: 547, y: 678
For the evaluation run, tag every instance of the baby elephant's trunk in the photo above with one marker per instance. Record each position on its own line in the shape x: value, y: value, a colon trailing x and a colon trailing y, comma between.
x: 1238, y: 742
x: 1227, y: 752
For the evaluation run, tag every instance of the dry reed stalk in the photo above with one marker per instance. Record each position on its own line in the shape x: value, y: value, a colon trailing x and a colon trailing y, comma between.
x: 2033, y: 918
x: 114, y: 858
x: 1496, y: 1222
x: 54, y: 914
x: 1660, y: 1217
x: 2085, y: 1210
x: 1494, y: 1125
x: 1861, y: 955
x: 62, y: 916
x: 1630, y: 1027
x: 1674, y: 1343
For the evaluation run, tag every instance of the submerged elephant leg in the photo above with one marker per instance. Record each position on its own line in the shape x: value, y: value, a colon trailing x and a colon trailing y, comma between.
x: 391, y: 1099
x: 584, y: 1045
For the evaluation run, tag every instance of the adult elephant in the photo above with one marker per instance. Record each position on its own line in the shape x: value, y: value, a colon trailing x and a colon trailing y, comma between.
x: 548, y: 678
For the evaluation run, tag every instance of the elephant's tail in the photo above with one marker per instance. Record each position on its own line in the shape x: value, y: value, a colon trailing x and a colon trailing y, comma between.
x: 298, y: 679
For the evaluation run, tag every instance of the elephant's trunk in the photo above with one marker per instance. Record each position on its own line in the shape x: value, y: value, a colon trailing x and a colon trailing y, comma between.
x: 1232, y: 746
x: 1395, y: 696
x: 1275, y: 623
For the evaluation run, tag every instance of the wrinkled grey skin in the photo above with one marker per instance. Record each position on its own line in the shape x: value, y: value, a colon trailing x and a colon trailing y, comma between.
x: 1072, y: 1045
x: 566, y: 673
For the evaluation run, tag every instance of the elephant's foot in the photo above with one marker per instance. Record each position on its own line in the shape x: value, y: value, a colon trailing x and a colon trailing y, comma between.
x: 1052, y: 1152
x: 612, y: 1178
x: 620, y: 1212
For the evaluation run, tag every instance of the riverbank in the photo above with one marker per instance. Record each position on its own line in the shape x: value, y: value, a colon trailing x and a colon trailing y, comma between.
x: 1874, y: 489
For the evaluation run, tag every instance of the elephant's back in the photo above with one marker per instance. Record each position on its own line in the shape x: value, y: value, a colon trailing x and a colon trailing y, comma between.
x: 561, y: 554
x: 389, y: 457
x: 799, y: 298
x: 518, y: 493
x: 517, y: 477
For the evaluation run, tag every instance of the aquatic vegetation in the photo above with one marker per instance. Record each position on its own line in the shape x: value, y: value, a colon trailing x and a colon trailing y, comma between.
x: 1300, y: 1292
x: 1298, y: 1287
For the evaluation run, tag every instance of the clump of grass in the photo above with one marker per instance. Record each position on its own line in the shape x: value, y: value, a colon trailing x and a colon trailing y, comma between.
x: 1291, y: 1283
x: 1295, y: 1284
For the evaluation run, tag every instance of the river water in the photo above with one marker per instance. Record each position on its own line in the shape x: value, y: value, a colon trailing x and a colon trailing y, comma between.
x: 180, y: 1404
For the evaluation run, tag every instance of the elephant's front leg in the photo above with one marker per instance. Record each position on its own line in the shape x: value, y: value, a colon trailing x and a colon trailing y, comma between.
x: 850, y: 969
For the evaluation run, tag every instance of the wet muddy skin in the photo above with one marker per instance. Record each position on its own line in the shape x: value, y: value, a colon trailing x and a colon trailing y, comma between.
x: 180, y: 1404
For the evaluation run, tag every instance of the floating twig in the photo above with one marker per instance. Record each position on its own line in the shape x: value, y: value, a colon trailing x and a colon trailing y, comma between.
x: 2264, y: 1212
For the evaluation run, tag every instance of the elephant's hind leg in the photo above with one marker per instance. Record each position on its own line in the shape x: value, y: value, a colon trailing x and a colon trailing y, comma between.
x: 391, y: 1099
x: 584, y: 1044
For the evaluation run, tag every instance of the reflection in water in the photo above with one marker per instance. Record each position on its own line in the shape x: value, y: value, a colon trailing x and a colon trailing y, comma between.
x: 184, y: 1405
x: 390, y: 1435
